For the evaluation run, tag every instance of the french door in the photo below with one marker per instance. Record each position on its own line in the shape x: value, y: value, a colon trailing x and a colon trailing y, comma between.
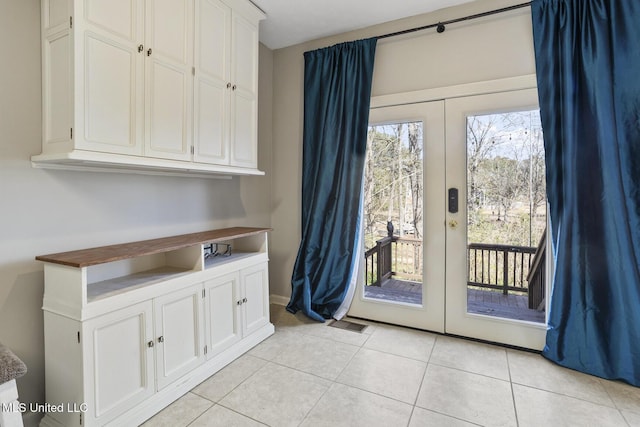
x: 425, y: 309
x: 478, y: 156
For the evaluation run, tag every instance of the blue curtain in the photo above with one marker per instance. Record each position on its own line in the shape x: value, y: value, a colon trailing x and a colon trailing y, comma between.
x: 337, y: 92
x: 588, y: 70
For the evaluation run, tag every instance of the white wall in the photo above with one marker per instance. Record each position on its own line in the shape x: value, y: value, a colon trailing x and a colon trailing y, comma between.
x: 51, y: 211
x: 489, y: 48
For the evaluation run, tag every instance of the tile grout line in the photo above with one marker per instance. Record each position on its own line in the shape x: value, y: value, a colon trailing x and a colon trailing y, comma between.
x: 224, y: 407
x: 238, y: 385
x: 602, y: 382
x: 513, y: 395
x: 568, y: 396
x: 333, y: 381
x: 271, y: 362
x: 199, y: 415
x: 231, y: 391
x: 469, y: 372
x: 424, y: 377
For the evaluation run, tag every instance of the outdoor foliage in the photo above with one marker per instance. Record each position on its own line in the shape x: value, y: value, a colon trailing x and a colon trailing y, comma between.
x: 393, y: 181
x: 506, y: 179
x: 506, y: 199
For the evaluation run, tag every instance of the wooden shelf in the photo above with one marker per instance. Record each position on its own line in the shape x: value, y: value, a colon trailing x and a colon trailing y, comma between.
x: 118, y: 285
x: 220, y: 260
x: 105, y: 254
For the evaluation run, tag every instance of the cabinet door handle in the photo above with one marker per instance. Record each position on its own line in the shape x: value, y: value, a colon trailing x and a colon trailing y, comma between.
x: 150, y: 344
x: 149, y: 52
x: 160, y: 339
x: 140, y: 48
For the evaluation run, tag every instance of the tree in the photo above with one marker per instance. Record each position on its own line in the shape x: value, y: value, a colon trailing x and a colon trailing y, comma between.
x: 393, y: 179
x: 479, y: 146
x: 413, y: 170
x: 505, y: 177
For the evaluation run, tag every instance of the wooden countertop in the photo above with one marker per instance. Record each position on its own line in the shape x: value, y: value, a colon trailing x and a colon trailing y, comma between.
x: 104, y: 254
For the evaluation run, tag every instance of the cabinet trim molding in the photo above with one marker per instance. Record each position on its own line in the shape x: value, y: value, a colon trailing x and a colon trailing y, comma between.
x: 93, y: 161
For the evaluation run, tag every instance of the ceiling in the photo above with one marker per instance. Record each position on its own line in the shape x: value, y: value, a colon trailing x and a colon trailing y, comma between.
x: 290, y: 22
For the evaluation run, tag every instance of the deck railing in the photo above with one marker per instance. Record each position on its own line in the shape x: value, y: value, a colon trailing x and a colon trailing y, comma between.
x: 507, y: 268
x: 537, y: 273
x: 503, y: 267
x: 394, y: 256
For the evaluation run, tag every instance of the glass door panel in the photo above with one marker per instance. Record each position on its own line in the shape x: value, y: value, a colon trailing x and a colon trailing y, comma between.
x: 506, y: 215
x: 393, y: 212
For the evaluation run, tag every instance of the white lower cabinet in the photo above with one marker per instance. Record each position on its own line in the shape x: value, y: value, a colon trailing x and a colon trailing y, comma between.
x: 179, y: 334
x: 222, y: 307
x: 237, y: 305
x: 120, y: 349
x: 122, y: 363
x: 140, y: 349
x: 254, y: 282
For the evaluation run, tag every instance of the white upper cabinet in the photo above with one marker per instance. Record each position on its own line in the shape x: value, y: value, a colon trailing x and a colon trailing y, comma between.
x: 212, y: 82
x: 108, y: 76
x: 169, y: 79
x: 226, y: 83
x: 150, y: 85
x: 244, y: 109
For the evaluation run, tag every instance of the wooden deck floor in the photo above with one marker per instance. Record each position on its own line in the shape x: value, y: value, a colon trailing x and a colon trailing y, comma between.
x: 479, y: 301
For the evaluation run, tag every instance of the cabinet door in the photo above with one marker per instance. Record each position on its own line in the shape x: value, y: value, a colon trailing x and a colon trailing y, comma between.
x: 179, y: 333
x: 254, y: 282
x: 169, y: 80
x: 109, y: 76
x: 222, y: 313
x: 244, y: 138
x: 119, y: 360
x: 212, y: 82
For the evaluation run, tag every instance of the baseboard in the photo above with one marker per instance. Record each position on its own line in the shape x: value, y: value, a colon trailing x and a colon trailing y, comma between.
x: 278, y: 299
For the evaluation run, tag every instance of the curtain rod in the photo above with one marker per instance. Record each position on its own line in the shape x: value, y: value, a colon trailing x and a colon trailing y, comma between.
x: 440, y: 26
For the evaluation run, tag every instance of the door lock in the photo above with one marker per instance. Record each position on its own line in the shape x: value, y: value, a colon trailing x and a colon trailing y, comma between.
x: 453, y: 200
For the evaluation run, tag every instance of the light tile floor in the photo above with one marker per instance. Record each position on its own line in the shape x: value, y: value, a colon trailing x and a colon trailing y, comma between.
x: 308, y: 374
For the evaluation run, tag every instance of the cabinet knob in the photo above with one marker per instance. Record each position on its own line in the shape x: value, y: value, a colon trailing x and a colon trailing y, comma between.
x: 239, y: 302
x: 140, y: 48
x: 234, y: 87
x: 149, y: 52
x: 150, y: 344
x: 228, y: 85
x: 244, y: 300
x: 160, y: 339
